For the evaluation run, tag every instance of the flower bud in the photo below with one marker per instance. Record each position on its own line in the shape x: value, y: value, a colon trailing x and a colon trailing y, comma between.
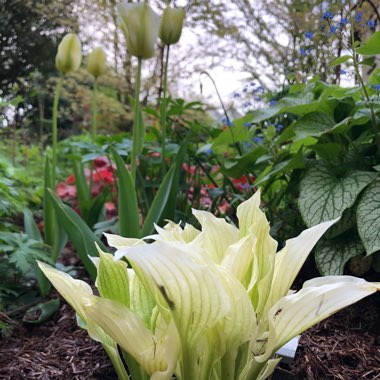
x: 140, y: 25
x: 69, y: 55
x: 171, y: 25
x: 96, y: 63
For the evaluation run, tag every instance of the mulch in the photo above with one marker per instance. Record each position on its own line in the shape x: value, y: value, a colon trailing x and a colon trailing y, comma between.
x: 346, y: 346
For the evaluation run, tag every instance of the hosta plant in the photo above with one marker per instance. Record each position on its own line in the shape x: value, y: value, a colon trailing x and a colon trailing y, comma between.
x: 205, y: 304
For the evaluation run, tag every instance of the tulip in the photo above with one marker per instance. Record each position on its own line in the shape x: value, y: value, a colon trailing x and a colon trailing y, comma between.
x: 96, y: 64
x: 140, y: 25
x: 69, y: 55
x: 171, y: 25
x: 214, y: 303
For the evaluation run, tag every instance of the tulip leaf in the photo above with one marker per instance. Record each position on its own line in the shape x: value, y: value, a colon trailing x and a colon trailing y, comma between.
x: 324, y: 195
x: 79, y: 233
x: 48, y: 209
x: 55, y: 235
x: 159, y: 203
x: 172, y: 200
x: 31, y: 228
x: 129, y: 225
x: 368, y: 217
x: 331, y: 255
x: 83, y: 192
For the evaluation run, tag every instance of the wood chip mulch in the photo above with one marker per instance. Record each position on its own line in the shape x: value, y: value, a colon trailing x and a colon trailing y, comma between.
x: 346, y: 346
x: 57, y: 349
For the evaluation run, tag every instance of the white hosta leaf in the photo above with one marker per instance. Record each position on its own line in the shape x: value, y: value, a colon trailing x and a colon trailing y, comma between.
x: 239, y: 325
x: 174, y: 232
x: 249, y: 213
x: 253, y: 221
x: 191, y: 291
x: 290, y: 259
x: 156, y: 354
x: 141, y: 301
x: 78, y: 293
x: 120, y: 242
x: 270, y: 366
x: 263, y: 263
x: 239, y: 257
x: 75, y: 292
x: 216, y: 236
x: 112, y: 280
x: 318, y: 299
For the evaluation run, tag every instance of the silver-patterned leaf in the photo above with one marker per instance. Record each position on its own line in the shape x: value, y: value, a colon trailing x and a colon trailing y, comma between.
x: 324, y: 196
x: 368, y: 217
x: 331, y: 255
x: 346, y: 222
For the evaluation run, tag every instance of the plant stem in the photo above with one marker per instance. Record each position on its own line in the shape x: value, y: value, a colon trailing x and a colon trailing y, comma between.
x: 93, y: 129
x: 365, y: 92
x: 224, y: 111
x: 57, y: 95
x: 163, y: 105
x: 94, y: 109
x: 136, y: 121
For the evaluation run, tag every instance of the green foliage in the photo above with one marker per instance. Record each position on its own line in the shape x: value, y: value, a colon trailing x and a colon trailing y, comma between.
x: 19, y: 189
x: 320, y: 165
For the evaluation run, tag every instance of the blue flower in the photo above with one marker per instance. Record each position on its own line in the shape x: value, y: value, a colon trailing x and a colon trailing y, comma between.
x: 343, y: 72
x: 247, y: 104
x: 258, y: 140
x: 358, y: 16
x: 247, y: 124
x: 208, y: 151
x: 371, y: 23
x: 279, y: 127
x: 333, y: 29
x: 257, y: 98
x: 308, y: 35
x: 327, y: 15
x: 304, y: 51
x: 272, y: 102
x: 375, y: 87
x: 344, y: 21
x: 236, y: 95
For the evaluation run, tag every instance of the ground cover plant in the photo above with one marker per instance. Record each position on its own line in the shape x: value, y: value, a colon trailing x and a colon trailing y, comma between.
x: 184, y: 293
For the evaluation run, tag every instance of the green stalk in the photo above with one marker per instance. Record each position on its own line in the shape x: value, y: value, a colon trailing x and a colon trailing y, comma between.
x: 136, y: 122
x: 163, y: 105
x: 94, y: 109
x: 57, y: 95
x: 93, y: 128
x: 365, y: 92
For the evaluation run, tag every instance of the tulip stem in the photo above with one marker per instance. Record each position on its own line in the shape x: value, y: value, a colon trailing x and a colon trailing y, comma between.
x: 94, y: 109
x: 57, y: 95
x: 136, y: 132
x: 163, y: 105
